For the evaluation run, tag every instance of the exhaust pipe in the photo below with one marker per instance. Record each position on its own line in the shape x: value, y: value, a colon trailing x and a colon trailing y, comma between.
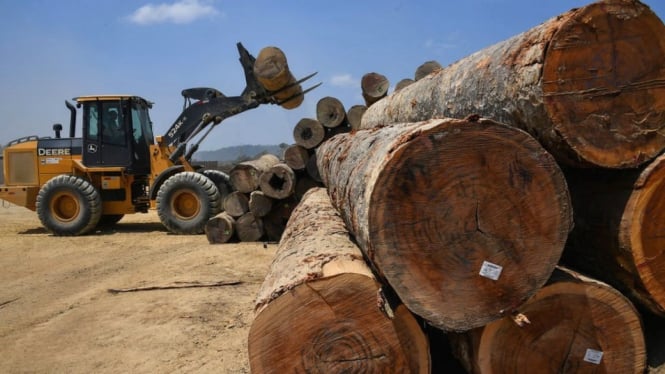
x: 72, y: 119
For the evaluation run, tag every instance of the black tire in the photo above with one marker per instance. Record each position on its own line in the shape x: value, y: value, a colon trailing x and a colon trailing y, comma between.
x: 186, y: 201
x: 108, y: 220
x: 221, y: 180
x: 68, y: 205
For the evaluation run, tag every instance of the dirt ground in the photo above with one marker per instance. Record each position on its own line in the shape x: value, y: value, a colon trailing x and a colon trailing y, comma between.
x: 57, y: 314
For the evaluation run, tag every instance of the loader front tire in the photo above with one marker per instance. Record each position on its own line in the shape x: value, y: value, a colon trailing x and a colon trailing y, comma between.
x: 68, y: 205
x: 221, y: 180
x: 186, y: 201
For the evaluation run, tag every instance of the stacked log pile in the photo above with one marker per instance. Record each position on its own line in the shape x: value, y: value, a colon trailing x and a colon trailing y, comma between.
x: 461, y: 189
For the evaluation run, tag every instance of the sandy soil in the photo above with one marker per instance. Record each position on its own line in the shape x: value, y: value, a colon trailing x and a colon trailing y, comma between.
x: 57, y: 314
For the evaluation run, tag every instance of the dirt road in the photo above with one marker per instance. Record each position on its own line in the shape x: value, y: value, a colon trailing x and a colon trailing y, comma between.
x: 57, y: 314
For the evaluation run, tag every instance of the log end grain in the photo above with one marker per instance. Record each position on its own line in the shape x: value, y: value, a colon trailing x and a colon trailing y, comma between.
x: 309, y: 133
x: 220, y: 228
x: 330, y: 112
x: 374, y: 86
x: 607, y: 104
x: 572, y: 327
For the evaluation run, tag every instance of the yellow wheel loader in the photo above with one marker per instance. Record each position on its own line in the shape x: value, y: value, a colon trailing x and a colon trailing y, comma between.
x: 118, y: 167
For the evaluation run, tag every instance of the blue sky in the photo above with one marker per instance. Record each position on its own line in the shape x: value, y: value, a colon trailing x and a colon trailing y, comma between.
x: 52, y: 51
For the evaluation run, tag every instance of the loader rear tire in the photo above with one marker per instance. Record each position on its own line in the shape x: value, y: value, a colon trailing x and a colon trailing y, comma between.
x: 221, y: 180
x: 186, y: 201
x: 68, y: 205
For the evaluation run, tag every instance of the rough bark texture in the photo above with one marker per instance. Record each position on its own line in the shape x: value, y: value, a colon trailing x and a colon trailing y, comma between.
x: 588, y: 84
x: 433, y: 204
x: 236, y: 204
x: 318, y: 308
x: 355, y: 115
x: 309, y: 133
x: 259, y: 203
x: 619, y: 226
x: 220, y: 228
x: 330, y: 112
x: 374, y: 87
x: 278, y: 182
x: 570, y: 322
x: 245, y: 176
x: 249, y: 228
x: 296, y: 156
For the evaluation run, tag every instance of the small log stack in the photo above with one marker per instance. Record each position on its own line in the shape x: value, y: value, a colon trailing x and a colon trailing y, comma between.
x: 319, y: 308
x: 573, y: 82
x: 574, y: 324
x: 465, y: 219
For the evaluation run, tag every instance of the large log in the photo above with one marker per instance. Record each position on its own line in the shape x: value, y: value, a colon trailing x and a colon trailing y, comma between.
x: 296, y: 156
x: 236, y: 203
x: 272, y: 71
x: 245, y: 176
x: 354, y: 115
x: 275, y: 221
x: 588, y: 84
x: 249, y: 228
x: 220, y: 228
x: 278, y: 182
x: 574, y: 324
x: 464, y: 219
x: 374, y: 87
x: 619, y: 225
x: 308, y: 133
x: 318, y: 308
x: 330, y: 112
x: 427, y: 68
x: 259, y: 203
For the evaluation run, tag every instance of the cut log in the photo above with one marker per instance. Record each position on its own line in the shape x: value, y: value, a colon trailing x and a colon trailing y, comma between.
x: 272, y: 71
x: 355, y: 115
x: 259, y: 203
x: 312, y: 168
x: 574, y: 324
x: 249, y: 228
x: 401, y: 84
x: 309, y: 133
x: 464, y: 219
x: 278, y: 182
x: 220, y: 228
x: 296, y: 156
x: 275, y: 222
x: 426, y: 69
x: 330, y: 112
x: 619, y: 225
x: 245, y: 176
x: 236, y: 204
x: 318, y: 308
x: 573, y: 82
x: 374, y: 87
x: 304, y: 184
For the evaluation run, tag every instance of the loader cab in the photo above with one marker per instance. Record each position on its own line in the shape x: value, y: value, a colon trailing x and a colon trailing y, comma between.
x: 117, y: 131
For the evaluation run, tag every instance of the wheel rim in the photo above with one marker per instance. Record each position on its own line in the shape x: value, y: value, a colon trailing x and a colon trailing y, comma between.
x: 64, y: 206
x: 185, y: 205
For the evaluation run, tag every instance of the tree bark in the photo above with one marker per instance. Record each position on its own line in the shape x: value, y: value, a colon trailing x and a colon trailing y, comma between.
x: 296, y: 156
x: 572, y: 82
x: 619, y: 225
x: 245, y: 176
x: 330, y: 112
x: 574, y: 324
x: 259, y: 203
x: 236, y: 204
x: 309, y: 133
x: 272, y: 71
x: 439, y: 206
x: 278, y: 182
x: 249, y: 228
x: 220, y: 228
x: 355, y: 115
x: 318, y: 308
x: 374, y: 87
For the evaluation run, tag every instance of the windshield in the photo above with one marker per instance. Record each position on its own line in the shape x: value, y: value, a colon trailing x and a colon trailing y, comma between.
x: 141, y: 124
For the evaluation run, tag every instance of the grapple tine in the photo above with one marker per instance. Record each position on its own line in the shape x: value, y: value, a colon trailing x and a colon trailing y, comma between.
x: 299, y: 94
x: 293, y: 84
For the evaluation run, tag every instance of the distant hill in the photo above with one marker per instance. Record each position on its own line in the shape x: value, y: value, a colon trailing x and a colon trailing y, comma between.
x: 234, y: 153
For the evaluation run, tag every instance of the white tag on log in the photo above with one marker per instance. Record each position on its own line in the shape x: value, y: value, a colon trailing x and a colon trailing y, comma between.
x: 593, y: 356
x: 490, y: 270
